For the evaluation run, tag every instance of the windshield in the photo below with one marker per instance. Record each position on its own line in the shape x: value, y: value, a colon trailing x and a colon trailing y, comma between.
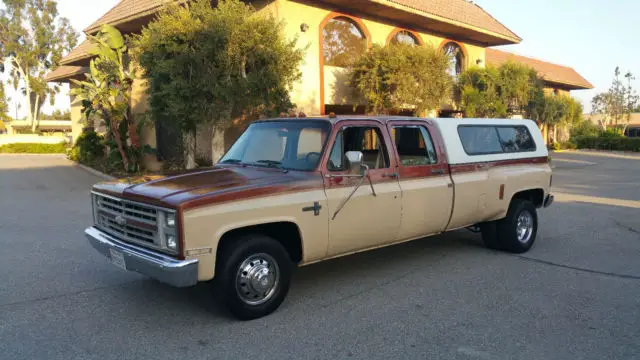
x: 292, y: 145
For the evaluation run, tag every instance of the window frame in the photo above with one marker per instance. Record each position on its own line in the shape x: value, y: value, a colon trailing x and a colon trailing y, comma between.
x: 424, y: 127
x: 495, y: 127
x: 340, y: 130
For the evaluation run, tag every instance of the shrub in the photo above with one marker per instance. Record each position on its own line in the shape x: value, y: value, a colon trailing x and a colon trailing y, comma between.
x: 88, y: 149
x: 585, y: 128
x: 34, y: 148
x: 568, y: 145
x: 608, y: 143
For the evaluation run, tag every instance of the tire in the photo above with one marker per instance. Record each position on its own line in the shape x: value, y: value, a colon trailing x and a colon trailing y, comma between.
x: 254, y: 276
x: 489, y: 233
x: 511, y: 237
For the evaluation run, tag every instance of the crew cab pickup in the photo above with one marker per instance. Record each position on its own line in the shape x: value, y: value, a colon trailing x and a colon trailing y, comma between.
x: 291, y: 192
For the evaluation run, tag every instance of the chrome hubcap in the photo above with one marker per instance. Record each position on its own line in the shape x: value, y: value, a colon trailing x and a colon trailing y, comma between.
x: 257, y: 279
x: 524, y: 227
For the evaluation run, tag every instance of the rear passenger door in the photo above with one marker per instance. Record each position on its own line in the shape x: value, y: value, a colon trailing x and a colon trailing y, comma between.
x: 427, y: 189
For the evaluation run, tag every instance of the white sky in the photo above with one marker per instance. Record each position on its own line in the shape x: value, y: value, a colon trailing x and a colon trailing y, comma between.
x: 597, y: 36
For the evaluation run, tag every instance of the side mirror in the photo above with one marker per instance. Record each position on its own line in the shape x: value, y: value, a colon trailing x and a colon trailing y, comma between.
x: 354, y: 161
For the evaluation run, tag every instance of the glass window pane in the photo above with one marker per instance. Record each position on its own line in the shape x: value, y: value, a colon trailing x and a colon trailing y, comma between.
x: 342, y: 42
x: 478, y: 140
x: 367, y: 140
x: 414, y: 146
x: 404, y: 37
x: 516, y: 138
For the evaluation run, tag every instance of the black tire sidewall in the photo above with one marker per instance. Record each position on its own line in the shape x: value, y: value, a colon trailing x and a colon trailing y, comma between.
x: 231, y: 258
x: 507, y: 234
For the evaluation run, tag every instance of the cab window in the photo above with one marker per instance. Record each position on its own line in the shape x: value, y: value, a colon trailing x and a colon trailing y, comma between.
x: 367, y: 140
x: 414, y: 145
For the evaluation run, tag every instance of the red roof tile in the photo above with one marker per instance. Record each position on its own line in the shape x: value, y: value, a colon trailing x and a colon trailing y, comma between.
x: 547, y: 71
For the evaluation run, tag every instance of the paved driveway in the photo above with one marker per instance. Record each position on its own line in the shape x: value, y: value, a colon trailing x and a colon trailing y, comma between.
x: 575, y: 295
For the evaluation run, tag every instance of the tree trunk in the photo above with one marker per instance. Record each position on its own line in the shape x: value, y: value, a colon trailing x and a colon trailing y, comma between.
x: 35, y: 123
x: 116, y: 135
x: 217, y: 144
x: 189, y: 140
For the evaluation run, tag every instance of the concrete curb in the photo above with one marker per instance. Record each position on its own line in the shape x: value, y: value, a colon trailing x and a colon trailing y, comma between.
x: 94, y: 171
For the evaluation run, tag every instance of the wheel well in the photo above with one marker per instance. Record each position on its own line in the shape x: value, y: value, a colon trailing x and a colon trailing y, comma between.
x: 536, y: 196
x: 286, y: 233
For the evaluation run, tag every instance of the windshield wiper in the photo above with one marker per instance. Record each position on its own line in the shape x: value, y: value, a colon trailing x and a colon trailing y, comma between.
x: 270, y: 163
x: 231, y: 161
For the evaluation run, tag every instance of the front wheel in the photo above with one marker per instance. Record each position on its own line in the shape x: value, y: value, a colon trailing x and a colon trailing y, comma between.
x: 255, y: 276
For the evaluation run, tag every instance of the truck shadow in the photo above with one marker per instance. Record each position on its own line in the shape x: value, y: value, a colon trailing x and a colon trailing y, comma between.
x: 310, y: 283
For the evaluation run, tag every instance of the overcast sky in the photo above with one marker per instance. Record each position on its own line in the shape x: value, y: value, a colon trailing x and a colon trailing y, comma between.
x: 592, y: 36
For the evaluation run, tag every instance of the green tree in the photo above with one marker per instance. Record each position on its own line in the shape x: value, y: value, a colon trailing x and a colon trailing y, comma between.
x: 401, y: 76
x: 210, y: 66
x: 479, y: 90
x: 57, y: 115
x: 496, y: 92
x: 107, y: 92
x: 32, y: 40
x: 614, y: 106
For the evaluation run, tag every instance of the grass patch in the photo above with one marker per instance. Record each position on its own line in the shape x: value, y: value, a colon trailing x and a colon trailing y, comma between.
x: 33, y: 148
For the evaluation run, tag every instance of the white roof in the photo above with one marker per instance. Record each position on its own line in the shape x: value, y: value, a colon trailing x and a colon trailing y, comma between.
x: 457, y: 155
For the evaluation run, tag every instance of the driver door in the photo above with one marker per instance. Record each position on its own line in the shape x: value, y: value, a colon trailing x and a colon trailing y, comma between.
x: 366, y: 220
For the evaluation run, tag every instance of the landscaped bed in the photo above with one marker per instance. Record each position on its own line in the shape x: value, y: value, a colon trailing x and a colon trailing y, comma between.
x: 34, y: 148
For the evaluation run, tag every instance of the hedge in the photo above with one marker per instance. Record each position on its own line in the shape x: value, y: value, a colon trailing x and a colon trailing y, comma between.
x: 608, y: 143
x: 34, y: 148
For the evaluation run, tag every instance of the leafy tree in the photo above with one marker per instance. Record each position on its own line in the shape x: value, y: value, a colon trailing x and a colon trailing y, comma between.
x: 479, y: 90
x: 496, y: 92
x: 32, y: 40
x: 4, y: 106
x: 401, y: 76
x: 57, y: 115
x: 616, y: 104
x: 209, y: 65
x: 107, y: 92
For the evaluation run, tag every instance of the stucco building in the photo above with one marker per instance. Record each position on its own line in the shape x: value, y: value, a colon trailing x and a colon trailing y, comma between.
x: 334, y: 33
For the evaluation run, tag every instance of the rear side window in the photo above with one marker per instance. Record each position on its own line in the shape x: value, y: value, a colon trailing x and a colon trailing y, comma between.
x: 483, y: 140
x: 414, y: 145
x: 480, y: 140
x: 516, y: 139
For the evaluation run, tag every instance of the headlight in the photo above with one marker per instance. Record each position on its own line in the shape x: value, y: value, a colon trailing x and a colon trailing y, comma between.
x: 172, y: 243
x: 170, y: 220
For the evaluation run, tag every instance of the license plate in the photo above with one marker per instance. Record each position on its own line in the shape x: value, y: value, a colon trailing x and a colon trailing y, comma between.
x: 118, y: 259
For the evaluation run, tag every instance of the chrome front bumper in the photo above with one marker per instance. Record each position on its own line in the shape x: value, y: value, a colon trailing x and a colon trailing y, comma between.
x: 548, y: 200
x: 179, y: 273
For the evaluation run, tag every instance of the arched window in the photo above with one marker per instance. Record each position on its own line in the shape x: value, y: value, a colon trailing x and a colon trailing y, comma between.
x: 457, y: 58
x: 342, y: 42
x: 405, y: 37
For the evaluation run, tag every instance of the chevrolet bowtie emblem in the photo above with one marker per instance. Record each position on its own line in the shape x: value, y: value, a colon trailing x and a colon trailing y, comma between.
x: 120, y: 220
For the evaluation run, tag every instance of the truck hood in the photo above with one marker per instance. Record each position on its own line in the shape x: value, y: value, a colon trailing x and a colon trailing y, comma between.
x: 214, y: 185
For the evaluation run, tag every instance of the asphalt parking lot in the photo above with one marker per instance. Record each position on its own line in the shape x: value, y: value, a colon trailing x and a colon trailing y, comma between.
x: 575, y: 295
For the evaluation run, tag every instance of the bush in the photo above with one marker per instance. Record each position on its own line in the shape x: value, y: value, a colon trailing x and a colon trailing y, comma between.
x: 608, y: 143
x: 34, y: 148
x: 568, y: 145
x: 585, y: 128
x: 88, y: 149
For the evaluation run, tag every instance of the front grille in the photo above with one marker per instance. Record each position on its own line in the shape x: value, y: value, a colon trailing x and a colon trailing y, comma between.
x: 129, y: 221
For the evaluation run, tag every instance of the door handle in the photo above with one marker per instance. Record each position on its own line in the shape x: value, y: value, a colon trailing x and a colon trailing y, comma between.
x: 392, y: 175
x: 438, y: 171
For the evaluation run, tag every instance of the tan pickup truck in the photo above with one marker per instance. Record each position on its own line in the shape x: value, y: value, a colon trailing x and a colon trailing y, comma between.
x: 297, y: 191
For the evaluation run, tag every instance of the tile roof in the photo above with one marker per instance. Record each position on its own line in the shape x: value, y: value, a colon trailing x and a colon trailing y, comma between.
x: 461, y: 11
x: 78, y: 53
x: 126, y: 10
x: 547, y: 71
x: 64, y: 72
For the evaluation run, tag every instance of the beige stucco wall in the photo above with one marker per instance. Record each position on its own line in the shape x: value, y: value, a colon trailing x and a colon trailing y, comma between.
x: 77, y: 119
x: 306, y: 93
x: 139, y: 106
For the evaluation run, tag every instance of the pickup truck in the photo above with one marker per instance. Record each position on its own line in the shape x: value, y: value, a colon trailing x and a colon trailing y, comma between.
x: 295, y: 191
